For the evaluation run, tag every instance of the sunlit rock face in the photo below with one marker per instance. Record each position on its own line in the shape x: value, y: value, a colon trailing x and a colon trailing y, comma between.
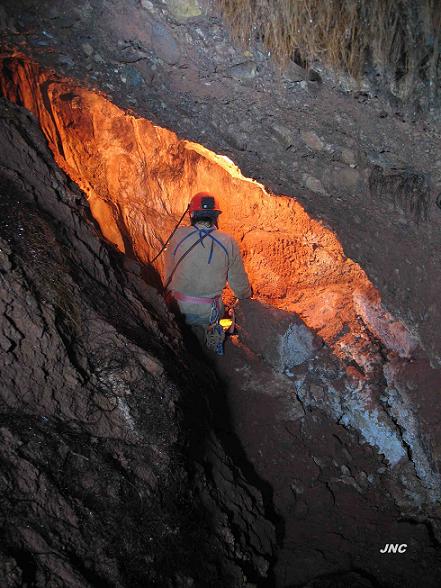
x: 139, y: 178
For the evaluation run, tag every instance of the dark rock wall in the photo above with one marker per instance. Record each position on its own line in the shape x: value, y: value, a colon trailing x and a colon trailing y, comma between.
x: 110, y: 466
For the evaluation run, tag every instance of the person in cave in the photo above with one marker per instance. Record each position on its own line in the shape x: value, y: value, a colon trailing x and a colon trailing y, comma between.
x: 199, y: 261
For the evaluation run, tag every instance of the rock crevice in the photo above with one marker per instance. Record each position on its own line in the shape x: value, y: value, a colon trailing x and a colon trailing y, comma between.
x: 106, y: 434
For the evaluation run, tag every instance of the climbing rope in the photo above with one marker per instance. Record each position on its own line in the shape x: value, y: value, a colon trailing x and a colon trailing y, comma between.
x: 170, y: 236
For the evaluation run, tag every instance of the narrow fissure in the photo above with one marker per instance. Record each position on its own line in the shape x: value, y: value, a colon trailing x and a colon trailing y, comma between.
x: 139, y: 177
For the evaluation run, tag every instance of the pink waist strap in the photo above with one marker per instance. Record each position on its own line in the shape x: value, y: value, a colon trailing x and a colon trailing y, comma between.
x: 193, y: 299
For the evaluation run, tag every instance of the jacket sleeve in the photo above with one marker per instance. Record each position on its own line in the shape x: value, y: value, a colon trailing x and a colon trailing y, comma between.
x: 237, y: 276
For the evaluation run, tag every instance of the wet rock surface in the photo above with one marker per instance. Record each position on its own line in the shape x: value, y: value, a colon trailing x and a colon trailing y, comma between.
x: 112, y: 474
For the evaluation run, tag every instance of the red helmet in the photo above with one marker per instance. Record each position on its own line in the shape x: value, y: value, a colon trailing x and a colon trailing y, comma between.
x: 203, y: 204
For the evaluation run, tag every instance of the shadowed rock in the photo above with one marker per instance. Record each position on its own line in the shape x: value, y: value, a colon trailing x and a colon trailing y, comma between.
x: 282, y: 338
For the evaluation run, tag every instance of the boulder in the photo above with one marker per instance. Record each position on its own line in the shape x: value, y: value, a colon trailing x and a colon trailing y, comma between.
x: 280, y: 337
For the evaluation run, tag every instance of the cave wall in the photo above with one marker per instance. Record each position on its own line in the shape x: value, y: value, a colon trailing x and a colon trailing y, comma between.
x: 138, y: 178
x: 113, y: 471
x: 136, y: 175
x: 369, y: 169
x: 369, y: 173
x: 108, y: 453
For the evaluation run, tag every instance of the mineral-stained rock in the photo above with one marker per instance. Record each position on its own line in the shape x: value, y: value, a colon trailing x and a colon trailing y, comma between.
x: 184, y: 9
x: 280, y: 337
x: 395, y: 336
x: 413, y: 394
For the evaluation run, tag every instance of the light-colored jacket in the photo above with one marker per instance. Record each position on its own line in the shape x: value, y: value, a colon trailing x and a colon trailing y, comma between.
x: 205, y: 270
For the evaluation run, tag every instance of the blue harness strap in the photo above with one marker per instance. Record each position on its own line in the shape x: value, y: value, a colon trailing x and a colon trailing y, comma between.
x: 213, y: 240
x: 184, y: 239
x: 202, y: 234
x: 211, y: 251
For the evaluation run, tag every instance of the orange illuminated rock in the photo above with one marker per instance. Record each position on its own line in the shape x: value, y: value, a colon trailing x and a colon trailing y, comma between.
x: 139, y: 177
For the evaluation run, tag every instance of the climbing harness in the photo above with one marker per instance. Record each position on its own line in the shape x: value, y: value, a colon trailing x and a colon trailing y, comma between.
x: 203, y: 233
x: 215, y: 334
x: 202, y: 204
x: 193, y: 299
